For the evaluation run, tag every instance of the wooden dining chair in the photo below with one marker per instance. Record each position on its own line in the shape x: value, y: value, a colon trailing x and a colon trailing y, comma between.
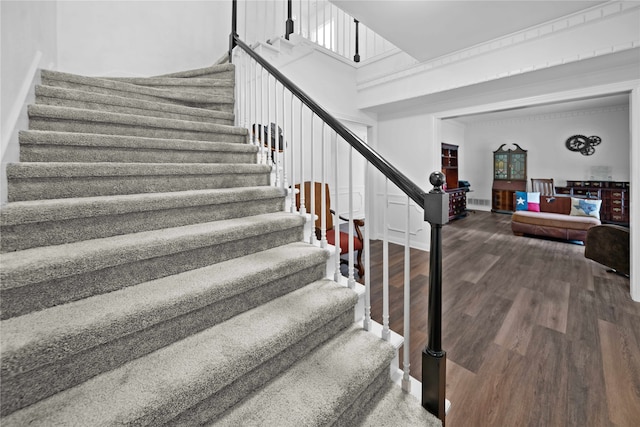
x: 358, y: 240
x: 544, y: 186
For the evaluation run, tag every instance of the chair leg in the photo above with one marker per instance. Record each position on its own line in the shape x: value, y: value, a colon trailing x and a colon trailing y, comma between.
x: 359, y: 266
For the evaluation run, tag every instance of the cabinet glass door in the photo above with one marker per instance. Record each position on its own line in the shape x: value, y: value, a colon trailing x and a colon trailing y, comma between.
x: 500, y: 166
x: 518, y: 166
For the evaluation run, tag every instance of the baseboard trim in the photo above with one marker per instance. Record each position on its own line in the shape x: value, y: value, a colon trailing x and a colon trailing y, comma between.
x: 18, y: 119
x: 21, y: 100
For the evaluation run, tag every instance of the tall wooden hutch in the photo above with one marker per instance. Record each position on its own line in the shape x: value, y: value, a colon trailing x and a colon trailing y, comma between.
x: 457, y: 195
x: 509, y: 176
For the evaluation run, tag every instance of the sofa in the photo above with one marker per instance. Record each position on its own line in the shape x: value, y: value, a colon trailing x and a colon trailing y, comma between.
x: 555, y: 219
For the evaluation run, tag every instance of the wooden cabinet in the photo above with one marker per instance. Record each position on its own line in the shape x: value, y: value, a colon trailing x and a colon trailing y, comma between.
x: 457, y: 196
x: 614, y: 195
x: 457, y: 203
x: 509, y: 176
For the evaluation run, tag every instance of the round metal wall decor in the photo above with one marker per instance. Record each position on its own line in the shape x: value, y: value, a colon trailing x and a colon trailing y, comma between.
x: 586, y: 146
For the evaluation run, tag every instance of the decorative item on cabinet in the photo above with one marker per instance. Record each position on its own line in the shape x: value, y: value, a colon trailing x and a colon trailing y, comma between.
x: 509, y: 176
x: 457, y: 194
x: 615, y: 197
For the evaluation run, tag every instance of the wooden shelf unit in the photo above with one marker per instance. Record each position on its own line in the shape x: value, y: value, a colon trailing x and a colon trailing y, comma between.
x: 457, y: 195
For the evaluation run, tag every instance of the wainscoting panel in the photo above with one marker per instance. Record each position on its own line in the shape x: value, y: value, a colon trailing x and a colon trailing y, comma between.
x: 397, y: 220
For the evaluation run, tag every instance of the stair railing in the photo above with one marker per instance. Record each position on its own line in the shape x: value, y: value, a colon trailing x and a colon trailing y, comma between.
x: 297, y: 137
x: 318, y: 21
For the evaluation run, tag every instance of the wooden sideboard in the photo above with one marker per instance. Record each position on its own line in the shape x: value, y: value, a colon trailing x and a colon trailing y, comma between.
x: 614, y: 195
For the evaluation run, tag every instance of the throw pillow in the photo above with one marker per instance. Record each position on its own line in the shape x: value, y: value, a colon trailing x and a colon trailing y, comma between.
x: 585, y: 207
x: 533, y: 202
x: 527, y: 201
x: 521, y: 201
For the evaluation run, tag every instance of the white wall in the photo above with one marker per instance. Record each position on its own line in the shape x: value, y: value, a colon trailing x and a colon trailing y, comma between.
x: 141, y: 38
x: 544, y: 138
x: 28, y: 34
x: 407, y: 142
x: 111, y: 38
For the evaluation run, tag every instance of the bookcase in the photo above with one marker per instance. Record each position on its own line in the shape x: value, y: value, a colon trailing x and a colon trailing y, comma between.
x: 457, y: 195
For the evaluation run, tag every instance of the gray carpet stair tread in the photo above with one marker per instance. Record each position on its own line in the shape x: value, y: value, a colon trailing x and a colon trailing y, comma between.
x: 220, y: 68
x: 58, y: 180
x: 397, y: 408
x: 52, y: 112
x: 316, y: 390
x: 163, y: 384
x: 77, y: 139
x: 46, y: 263
x: 174, y: 81
x: 35, y: 211
x: 49, y: 77
x: 120, y: 101
x: 37, y: 223
x: 27, y: 170
x: 55, y: 333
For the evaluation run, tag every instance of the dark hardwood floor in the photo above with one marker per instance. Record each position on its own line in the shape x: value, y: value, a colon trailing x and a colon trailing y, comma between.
x: 535, y: 334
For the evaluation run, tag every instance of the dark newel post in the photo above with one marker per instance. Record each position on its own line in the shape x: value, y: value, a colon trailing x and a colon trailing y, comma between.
x: 234, y: 27
x: 289, y: 26
x: 436, y: 212
x: 356, y: 57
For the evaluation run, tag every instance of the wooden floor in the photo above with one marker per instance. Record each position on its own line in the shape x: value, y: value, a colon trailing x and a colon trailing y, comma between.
x: 535, y: 334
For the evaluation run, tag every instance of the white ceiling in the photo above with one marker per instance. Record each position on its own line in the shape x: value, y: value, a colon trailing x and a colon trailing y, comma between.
x: 616, y: 100
x: 427, y: 29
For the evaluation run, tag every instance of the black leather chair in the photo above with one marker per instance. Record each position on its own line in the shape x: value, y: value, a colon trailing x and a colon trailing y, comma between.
x: 608, y: 245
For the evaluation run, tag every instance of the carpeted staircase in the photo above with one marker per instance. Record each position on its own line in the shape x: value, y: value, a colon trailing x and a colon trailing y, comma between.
x: 151, y: 277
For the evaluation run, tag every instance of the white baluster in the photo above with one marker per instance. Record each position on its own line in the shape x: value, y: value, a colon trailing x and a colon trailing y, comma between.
x: 406, y: 380
x: 331, y: 28
x: 283, y: 157
x: 292, y: 193
x: 259, y: 127
x: 267, y: 122
x: 236, y: 107
x: 385, y: 265
x: 238, y: 93
x: 312, y: 187
x: 299, y: 19
x: 366, y: 322
x: 255, y: 104
x: 309, y: 20
x: 323, y: 192
x: 303, y: 206
x: 336, y: 220
x: 343, y: 34
x: 245, y: 91
x: 275, y: 139
x: 350, y: 32
x: 352, y: 280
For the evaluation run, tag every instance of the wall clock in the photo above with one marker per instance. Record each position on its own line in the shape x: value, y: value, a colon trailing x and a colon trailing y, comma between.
x: 584, y: 145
